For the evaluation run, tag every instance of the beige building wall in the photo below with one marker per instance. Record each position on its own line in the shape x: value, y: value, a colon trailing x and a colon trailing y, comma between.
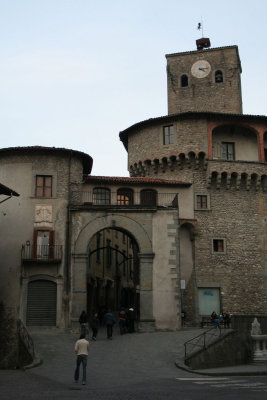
x: 20, y: 217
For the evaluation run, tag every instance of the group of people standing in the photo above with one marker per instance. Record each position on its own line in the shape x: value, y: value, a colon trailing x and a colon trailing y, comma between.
x: 223, y: 318
x: 127, y: 317
x: 126, y: 324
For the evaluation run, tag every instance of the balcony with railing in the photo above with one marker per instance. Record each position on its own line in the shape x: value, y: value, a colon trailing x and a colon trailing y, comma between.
x: 103, y: 198
x: 41, y: 253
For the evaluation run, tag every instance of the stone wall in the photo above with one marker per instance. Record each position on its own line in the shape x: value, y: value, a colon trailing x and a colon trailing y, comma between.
x: 239, y: 351
x: 9, y: 354
x: 237, y: 214
x: 189, y: 135
x: 204, y: 94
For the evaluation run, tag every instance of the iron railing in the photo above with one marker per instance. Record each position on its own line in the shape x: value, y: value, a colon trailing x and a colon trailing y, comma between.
x: 131, y: 199
x: 42, y: 253
x: 201, y: 341
x: 25, y: 338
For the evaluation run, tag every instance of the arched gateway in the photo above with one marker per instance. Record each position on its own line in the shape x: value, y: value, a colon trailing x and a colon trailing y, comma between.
x: 153, y: 259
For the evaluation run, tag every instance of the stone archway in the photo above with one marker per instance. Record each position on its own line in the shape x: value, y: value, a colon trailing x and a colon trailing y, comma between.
x: 87, y: 228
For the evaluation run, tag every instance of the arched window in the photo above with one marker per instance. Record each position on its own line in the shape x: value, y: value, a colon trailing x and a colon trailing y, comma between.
x: 184, y: 80
x: 124, y: 197
x: 148, y: 197
x: 101, y: 196
x: 218, y: 76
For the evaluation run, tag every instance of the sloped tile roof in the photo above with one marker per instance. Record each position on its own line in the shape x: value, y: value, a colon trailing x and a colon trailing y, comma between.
x: 86, y: 159
x: 188, y: 115
x: 134, y: 181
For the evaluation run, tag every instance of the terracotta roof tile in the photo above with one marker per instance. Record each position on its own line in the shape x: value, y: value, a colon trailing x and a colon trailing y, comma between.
x: 134, y: 180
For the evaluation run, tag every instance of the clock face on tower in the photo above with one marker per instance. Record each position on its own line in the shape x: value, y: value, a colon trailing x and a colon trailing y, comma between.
x: 200, y: 69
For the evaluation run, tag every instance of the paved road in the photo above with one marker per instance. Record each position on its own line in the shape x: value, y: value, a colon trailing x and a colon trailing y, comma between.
x: 133, y: 366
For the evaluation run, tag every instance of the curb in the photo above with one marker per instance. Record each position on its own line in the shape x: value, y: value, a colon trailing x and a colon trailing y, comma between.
x: 36, y: 363
x: 180, y: 364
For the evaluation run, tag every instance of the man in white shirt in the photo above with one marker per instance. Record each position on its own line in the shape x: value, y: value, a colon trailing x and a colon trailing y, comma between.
x: 81, y: 349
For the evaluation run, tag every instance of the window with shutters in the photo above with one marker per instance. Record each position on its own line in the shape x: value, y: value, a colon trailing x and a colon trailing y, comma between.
x: 43, y: 186
x: 202, y: 202
x: 228, y: 151
x: 101, y: 196
x: 168, y: 134
x: 148, y: 197
x: 124, y: 197
x: 43, y: 244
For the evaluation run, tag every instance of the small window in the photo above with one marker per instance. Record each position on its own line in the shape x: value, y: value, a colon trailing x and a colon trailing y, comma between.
x: 218, y: 77
x: 124, y: 197
x: 228, y: 151
x: 43, y: 187
x: 218, y: 246
x: 168, y: 134
x: 201, y: 202
x: 101, y: 196
x: 184, y: 81
x: 148, y: 197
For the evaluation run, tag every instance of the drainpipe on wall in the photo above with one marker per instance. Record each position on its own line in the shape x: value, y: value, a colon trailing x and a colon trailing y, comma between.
x: 67, y: 253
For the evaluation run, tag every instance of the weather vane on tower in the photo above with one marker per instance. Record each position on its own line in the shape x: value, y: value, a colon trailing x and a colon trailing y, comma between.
x: 200, y: 27
x: 202, y: 43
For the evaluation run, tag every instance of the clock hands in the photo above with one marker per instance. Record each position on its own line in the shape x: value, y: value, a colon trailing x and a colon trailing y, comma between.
x: 203, y: 68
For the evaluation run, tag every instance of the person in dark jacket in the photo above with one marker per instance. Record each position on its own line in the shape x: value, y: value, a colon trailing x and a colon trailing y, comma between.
x: 226, y: 320
x: 83, y: 322
x: 109, y: 321
x: 131, y: 316
x: 94, y: 323
x: 122, y: 321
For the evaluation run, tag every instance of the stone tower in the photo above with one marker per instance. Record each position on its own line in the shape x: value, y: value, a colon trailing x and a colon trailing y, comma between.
x: 205, y: 140
x: 205, y: 80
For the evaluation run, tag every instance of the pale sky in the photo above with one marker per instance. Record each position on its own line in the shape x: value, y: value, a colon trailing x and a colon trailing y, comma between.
x: 74, y: 73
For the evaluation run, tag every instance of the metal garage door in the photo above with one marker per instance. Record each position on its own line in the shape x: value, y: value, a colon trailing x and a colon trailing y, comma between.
x: 41, y: 303
x: 209, y: 301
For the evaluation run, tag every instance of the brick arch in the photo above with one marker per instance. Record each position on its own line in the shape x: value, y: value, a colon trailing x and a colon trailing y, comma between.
x: 117, y: 221
x: 80, y: 257
x: 214, y: 127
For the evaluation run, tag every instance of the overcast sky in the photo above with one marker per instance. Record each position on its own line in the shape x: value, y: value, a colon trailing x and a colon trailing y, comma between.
x: 74, y: 73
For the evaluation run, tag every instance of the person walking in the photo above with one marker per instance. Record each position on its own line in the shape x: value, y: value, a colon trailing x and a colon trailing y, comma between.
x: 131, y: 318
x: 81, y: 349
x: 94, y: 323
x: 122, y: 321
x: 83, y: 322
x: 109, y: 321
